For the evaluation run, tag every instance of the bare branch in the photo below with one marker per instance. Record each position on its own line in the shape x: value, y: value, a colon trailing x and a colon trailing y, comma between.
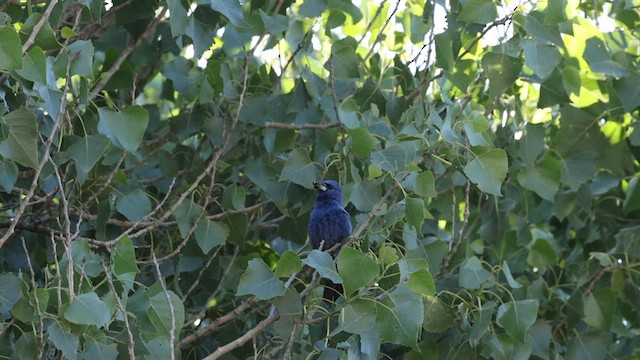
x: 172, y: 331
x: 278, y: 125
x: 36, y: 29
x: 244, y: 338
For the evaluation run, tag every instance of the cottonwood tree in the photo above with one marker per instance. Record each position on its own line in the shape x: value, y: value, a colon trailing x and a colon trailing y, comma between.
x: 157, y: 160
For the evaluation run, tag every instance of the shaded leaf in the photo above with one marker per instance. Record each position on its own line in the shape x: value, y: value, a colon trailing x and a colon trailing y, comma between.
x: 543, y: 178
x: 356, y: 268
x: 211, y: 234
x: 86, y: 151
x: 478, y: 12
x: 134, y: 206
x: 400, y: 320
x: 258, y: 280
x: 488, y: 170
x: 125, y: 128
x: 515, y: 317
x: 323, y: 262
x: 8, y: 175
x: 473, y: 275
x: 21, y: 142
x: 88, y: 309
x: 299, y: 169
x: 358, y: 316
x: 163, y: 315
x: 502, y: 71
x: 64, y: 340
x: 288, y: 264
x: 231, y: 9
x: 10, y: 49
x: 421, y: 282
x: 123, y: 257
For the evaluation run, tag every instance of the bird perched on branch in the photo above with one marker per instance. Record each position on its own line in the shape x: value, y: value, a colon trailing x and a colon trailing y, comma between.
x: 330, y: 224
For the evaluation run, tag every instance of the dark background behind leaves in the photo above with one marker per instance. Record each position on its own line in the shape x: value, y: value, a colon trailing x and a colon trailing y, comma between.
x: 154, y: 205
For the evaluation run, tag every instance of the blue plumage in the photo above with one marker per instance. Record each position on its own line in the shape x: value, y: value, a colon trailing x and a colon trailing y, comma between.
x: 329, y: 223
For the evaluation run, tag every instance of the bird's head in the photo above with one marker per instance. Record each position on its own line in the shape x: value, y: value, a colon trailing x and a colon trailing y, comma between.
x: 328, y: 190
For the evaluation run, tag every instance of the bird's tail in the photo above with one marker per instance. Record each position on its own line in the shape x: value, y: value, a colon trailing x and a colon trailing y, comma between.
x: 331, y: 290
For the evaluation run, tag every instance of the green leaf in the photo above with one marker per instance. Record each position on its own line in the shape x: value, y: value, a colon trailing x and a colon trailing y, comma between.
x: 231, y: 9
x: 123, y: 257
x: 88, y: 309
x: 258, y: 280
x: 64, y: 340
x: 125, y: 128
x: 425, y: 185
x: 488, y: 170
x: 323, y: 263
x: 543, y: 178
x: 86, y: 151
x: 400, y: 318
x: 344, y: 62
x: 21, y: 142
x: 628, y: 89
x: 299, y: 169
x: 478, y: 12
x: 577, y: 170
x: 10, y: 49
x: 358, y: 316
x: 507, y: 274
x: 134, y: 206
x: 81, y: 57
x: 437, y: 317
x: 186, y: 215
x: 356, y: 268
x: 541, y: 58
x: 289, y: 309
x: 274, y: 24
x: 45, y: 39
x: 160, y: 312
x: 571, y: 80
x: 289, y: 263
x: 588, y: 347
x: 597, y: 55
x: 178, y: 19
x: 100, y: 351
x: 599, y: 308
x: 632, y: 198
x: 539, y: 338
x: 10, y: 293
x: 414, y: 211
x: 502, y: 71
x: 211, y: 234
x: 482, y: 322
x: 8, y: 175
x: 362, y: 142
x: 542, y: 254
x: 515, y: 317
x: 34, y: 66
x: 473, y: 275
x: 422, y: 283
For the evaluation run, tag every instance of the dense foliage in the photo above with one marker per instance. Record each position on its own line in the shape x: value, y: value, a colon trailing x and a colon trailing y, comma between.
x: 157, y: 160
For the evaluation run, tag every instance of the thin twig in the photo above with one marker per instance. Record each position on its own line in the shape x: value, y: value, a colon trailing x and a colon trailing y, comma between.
x: 36, y: 29
x: 278, y: 125
x: 106, y: 76
x: 45, y: 158
x: 244, y: 338
x: 172, y: 333
x: 35, y: 299
x: 131, y: 342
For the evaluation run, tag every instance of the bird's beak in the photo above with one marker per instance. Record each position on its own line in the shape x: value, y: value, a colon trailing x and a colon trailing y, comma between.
x: 319, y: 185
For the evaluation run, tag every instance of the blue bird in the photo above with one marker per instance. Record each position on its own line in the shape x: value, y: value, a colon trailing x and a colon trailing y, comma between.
x: 329, y: 225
